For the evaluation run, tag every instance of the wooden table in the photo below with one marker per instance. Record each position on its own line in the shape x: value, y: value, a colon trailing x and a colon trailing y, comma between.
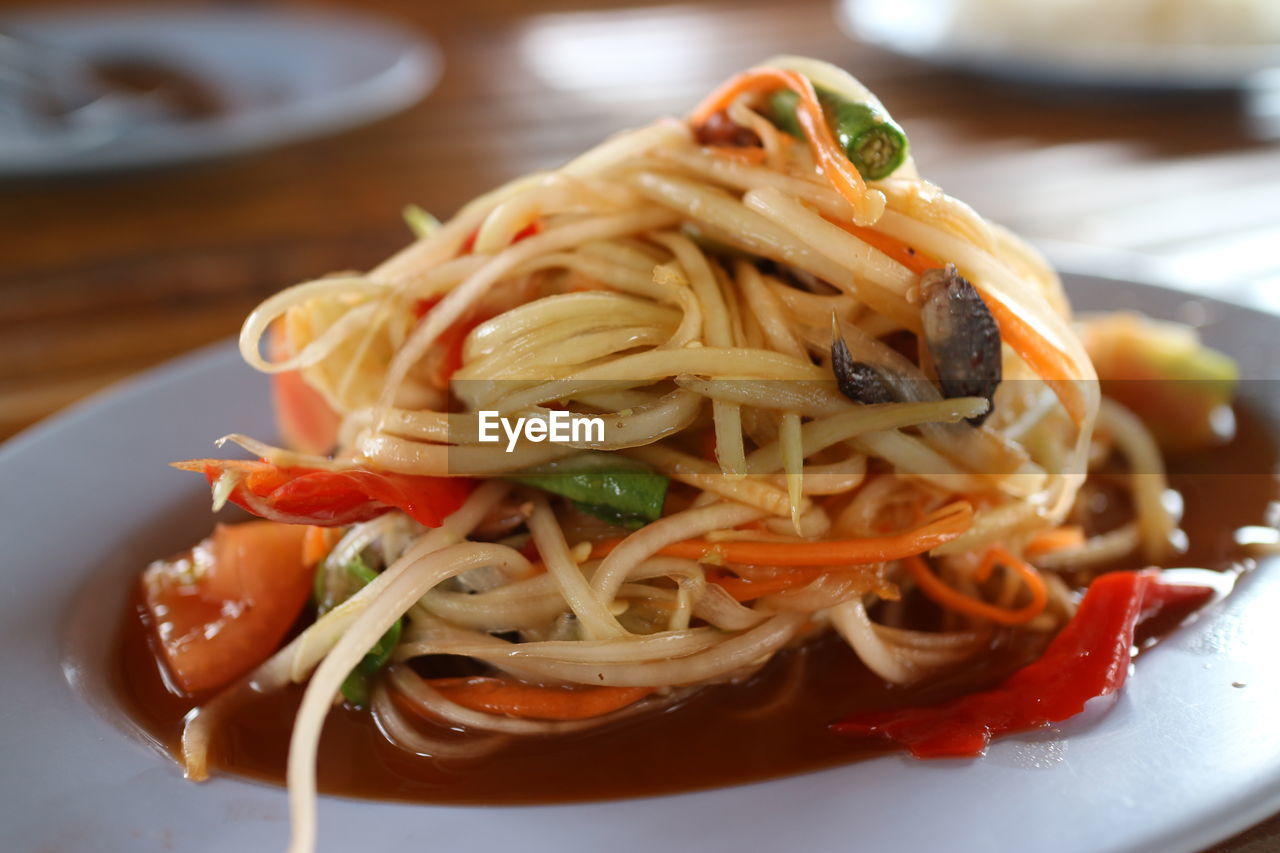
x: 102, y: 278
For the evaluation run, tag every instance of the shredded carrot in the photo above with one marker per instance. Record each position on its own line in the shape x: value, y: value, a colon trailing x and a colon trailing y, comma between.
x: 747, y: 589
x: 752, y: 155
x: 911, y: 258
x: 1054, y: 539
x: 844, y: 178
x: 942, y: 526
x: 536, y: 701
x: 937, y: 590
x: 317, y: 542
x: 779, y: 579
x: 257, y: 476
x: 1049, y: 363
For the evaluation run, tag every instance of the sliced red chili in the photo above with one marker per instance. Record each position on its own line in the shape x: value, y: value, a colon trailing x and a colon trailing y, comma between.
x: 450, y: 342
x: 1089, y: 657
x: 333, y: 498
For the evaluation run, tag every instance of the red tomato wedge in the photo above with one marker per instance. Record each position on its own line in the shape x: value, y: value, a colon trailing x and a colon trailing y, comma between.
x: 306, y: 421
x: 224, y: 607
x: 333, y: 498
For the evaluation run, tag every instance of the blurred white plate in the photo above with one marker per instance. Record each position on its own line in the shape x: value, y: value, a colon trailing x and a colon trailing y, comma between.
x: 923, y: 29
x: 282, y: 75
x: 1180, y: 761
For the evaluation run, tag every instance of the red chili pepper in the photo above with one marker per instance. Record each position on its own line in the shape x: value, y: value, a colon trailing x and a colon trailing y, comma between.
x: 529, y: 551
x: 423, y: 306
x: 333, y: 498
x: 450, y: 342
x: 528, y: 231
x: 1089, y: 657
x: 451, y: 339
x: 708, y: 445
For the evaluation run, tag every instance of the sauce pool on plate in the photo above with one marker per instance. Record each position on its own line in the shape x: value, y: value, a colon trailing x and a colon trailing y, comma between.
x: 772, y: 724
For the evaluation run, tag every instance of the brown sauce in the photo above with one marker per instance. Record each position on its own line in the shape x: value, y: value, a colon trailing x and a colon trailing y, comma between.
x: 773, y: 725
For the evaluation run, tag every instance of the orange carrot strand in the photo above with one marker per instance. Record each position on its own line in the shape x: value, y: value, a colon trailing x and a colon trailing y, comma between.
x: 749, y: 154
x: 944, y: 595
x: 536, y: 701
x: 1054, y: 539
x: 942, y: 526
x: 841, y: 174
x: 779, y: 579
x: 317, y: 542
x: 1049, y: 363
x: 911, y: 258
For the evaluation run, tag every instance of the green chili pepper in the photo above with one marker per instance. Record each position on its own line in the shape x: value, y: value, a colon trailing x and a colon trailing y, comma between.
x: 603, y: 487
x: 334, y: 585
x: 873, y: 142
x: 357, y: 685
x: 782, y: 104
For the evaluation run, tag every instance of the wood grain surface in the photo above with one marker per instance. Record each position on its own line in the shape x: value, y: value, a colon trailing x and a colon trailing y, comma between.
x: 103, y: 277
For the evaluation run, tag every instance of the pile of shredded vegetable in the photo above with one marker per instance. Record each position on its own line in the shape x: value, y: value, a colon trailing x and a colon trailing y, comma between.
x: 827, y: 390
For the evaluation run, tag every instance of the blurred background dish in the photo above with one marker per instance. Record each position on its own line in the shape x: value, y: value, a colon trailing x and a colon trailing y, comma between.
x: 96, y: 90
x: 1147, y: 44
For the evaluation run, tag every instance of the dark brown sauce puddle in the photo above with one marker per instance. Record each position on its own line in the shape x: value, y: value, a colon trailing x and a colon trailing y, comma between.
x: 773, y: 725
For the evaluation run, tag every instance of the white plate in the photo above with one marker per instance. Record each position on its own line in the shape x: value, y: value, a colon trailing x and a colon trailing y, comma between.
x: 283, y: 74
x: 1182, y: 760
x: 923, y: 29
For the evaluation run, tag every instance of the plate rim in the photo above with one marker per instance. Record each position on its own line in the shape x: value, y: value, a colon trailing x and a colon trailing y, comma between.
x: 1263, y: 803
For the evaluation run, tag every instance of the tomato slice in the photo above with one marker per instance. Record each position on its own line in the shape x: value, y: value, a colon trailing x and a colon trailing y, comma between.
x: 224, y: 607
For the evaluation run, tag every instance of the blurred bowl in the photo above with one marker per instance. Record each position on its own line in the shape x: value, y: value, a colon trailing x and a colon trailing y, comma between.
x: 941, y: 32
x: 263, y: 76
